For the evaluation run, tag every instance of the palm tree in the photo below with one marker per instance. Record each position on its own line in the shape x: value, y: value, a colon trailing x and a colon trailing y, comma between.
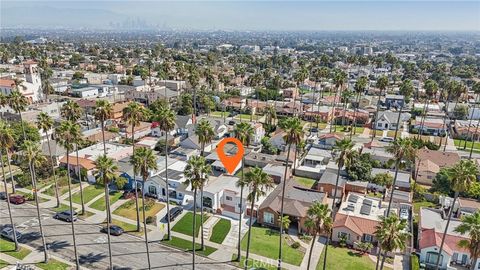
x: 243, y: 132
x: 476, y: 90
x: 72, y: 111
x: 294, y: 134
x: 360, y: 86
x: 259, y: 183
x: 18, y: 103
x: 132, y: 115
x: 344, y: 152
x: 205, y: 134
x: 196, y: 174
x: 431, y: 88
x: 144, y: 160
x: 45, y: 123
x: 461, y: 175
x: 3, y: 103
x: 166, y: 120
x: 382, y: 84
x: 339, y: 80
x: 103, y: 111
x: 391, y: 234
x: 107, y: 171
x: 193, y: 79
x: 471, y: 225
x: 33, y: 155
x: 67, y: 133
x: 270, y: 115
x: 318, y: 216
x: 6, y: 141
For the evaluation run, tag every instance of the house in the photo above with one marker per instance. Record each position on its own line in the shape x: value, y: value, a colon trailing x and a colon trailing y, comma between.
x: 57, y: 151
x: 142, y: 130
x: 85, y: 92
x: 367, y: 101
x: 258, y: 133
x: 403, y: 179
x: 431, y: 227
x: 221, y: 195
x: 117, y: 110
x: 327, y: 141
x: 360, y: 187
x: 357, y: 219
x: 429, y: 162
x: 278, y: 140
x: 290, y: 93
x: 297, y: 200
x: 394, y: 101
x: 147, y: 142
x: 217, y: 165
x: 314, y: 163
x: 467, y: 207
x: 464, y: 129
x: 431, y: 126
x: 327, y: 181
x: 377, y: 153
x: 314, y: 113
x: 235, y: 103
x: 387, y: 120
x: 277, y: 172
x: 95, y: 135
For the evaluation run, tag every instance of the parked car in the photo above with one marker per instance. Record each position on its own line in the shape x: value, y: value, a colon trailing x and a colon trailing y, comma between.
x: 387, y: 139
x: 114, y: 230
x: 314, y: 130
x: 17, y: 199
x: 7, y: 233
x: 3, y: 195
x: 65, y: 216
x: 231, y: 123
x: 404, y: 214
x: 174, y: 213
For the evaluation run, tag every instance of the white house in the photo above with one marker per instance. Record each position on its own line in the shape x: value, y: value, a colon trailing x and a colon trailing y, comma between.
x: 221, y: 195
x: 387, y: 120
x: 85, y: 92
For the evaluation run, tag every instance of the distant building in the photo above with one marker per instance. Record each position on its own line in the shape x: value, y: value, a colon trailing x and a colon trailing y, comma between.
x: 85, y: 92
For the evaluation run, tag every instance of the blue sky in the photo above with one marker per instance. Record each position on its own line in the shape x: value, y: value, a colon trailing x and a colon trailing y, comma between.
x: 250, y: 15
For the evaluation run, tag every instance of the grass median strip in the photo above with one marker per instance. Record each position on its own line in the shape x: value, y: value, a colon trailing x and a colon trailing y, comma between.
x: 187, y: 246
x: 8, y: 248
x: 53, y: 264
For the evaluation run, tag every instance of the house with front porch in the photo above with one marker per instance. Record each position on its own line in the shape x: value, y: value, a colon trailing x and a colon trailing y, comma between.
x: 387, y: 120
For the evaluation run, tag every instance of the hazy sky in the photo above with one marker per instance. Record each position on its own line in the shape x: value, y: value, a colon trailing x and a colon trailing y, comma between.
x: 248, y: 15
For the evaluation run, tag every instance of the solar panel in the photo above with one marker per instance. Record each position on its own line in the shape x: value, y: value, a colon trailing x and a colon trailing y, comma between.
x: 353, y: 198
x: 367, y: 202
x: 365, y: 210
x: 350, y: 207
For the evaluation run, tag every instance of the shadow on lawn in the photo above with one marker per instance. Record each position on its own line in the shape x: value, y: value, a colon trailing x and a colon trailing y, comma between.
x: 354, y: 254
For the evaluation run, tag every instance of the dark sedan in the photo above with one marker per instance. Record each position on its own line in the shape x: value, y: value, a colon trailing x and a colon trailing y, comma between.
x: 114, y: 230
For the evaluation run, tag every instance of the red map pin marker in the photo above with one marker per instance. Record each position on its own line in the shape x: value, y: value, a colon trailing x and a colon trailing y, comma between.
x: 230, y: 162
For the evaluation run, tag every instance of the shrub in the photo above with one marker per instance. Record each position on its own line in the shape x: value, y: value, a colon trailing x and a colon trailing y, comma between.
x: 151, y: 220
x: 295, y: 245
x: 149, y: 203
x: 23, y: 180
x: 414, y: 262
x: 129, y: 203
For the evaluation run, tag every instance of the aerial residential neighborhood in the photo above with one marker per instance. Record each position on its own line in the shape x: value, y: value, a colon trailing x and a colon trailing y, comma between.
x: 150, y: 144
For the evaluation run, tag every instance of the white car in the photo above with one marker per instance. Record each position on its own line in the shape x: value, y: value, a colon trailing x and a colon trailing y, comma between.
x: 387, y: 139
x: 404, y: 214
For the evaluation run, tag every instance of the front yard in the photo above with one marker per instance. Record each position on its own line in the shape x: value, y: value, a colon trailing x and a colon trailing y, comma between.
x: 128, y: 209
x: 345, y: 259
x: 185, y: 224
x: 100, y: 203
x: 220, y: 231
x: 89, y: 193
x: 186, y: 245
x: 264, y: 242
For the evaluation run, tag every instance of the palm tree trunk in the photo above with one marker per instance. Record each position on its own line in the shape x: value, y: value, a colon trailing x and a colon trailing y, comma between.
x: 107, y: 207
x: 137, y: 210
x: 15, y: 240
x: 169, y: 236
x: 333, y: 110
x: 398, y: 122
x: 103, y: 137
x: 437, y: 264
x: 22, y: 125
x: 34, y: 183
x: 194, y: 118
x: 194, y: 226
x: 202, y: 244
x: 422, y: 121
x: 10, y: 172
x: 145, y: 223
x: 55, y: 180
x: 71, y: 211
x: 444, y: 123
x: 249, y: 231
x: 473, y: 141
x: 279, y: 266
x: 240, y: 215
x: 375, y: 117
x: 354, y: 123
x: 311, y: 249
x: 383, y: 260
x: 80, y: 181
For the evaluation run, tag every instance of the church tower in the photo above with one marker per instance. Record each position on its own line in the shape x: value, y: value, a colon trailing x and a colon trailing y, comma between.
x: 31, y: 73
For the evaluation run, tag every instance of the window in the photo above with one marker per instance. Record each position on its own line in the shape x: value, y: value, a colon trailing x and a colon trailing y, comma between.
x: 268, y: 217
x: 343, y: 234
x: 367, y: 238
x: 152, y: 190
x: 228, y: 198
x: 432, y: 258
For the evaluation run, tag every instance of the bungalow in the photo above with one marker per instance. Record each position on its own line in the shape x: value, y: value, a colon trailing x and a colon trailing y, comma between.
x: 433, y: 126
x: 327, y: 141
x: 277, y: 172
x: 297, y: 200
x: 217, y: 165
x: 221, y: 195
x: 96, y: 136
x: 394, y: 101
x: 141, y: 130
x: 463, y: 129
x: 117, y: 110
x: 235, y: 103
x: 387, y: 120
x: 314, y: 163
x: 429, y: 162
x: 403, y: 179
x: 323, y: 113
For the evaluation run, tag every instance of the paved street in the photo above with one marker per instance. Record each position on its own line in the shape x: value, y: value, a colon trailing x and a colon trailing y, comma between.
x: 128, y: 251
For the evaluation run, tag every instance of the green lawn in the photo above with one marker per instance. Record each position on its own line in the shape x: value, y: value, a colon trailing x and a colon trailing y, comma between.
x: 89, y: 193
x: 264, y: 242
x: 62, y: 189
x: 246, y: 117
x: 8, y: 248
x: 219, y: 114
x: 220, y: 230
x: 254, y: 264
x: 3, y: 264
x: 304, y: 182
x: 245, y: 170
x: 187, y: 246
x: 100, y: 203
x: 345, y: 259
x: 417, y: 205
x: 461, y: 143
x: 184, y: 225
x: 62, y: 207
x: 53, y: 264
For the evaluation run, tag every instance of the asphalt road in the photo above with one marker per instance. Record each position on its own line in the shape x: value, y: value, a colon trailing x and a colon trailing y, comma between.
x: 128, y: 251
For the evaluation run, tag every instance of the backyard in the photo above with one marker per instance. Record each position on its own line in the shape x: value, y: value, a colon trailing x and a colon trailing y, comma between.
x: 128, y: 209
x: 304, y: 182
x: 184, y: 225
x: 220, y: 231
x: 345, y: 259
x: 264, y: 242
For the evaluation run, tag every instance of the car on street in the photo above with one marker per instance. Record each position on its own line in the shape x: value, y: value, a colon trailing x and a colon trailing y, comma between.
x: 16, y: 199
x: 7, y: 233
x: 66, y: 216
x: 174, y: 213
x: 114, y: 230
x: 387, y: 139
x: 3, y: 195
x: 404, y: 214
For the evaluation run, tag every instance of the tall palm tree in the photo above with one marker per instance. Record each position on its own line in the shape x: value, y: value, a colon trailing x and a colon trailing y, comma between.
x: 259, y: 183
x: 343, y: 150
x: 391, y: 234
x: 72, y: 111
x: 339, y: 79
x: 431, y: 88
x: 166, y: 120
x: 360, y: 86
x: 103, y: 111
x: 144, y: 160
x: 243, y: 132
x: 382, y: 83
x: 470, y: 225
x: 6, y: 141
x: 45, y: 123
x: 318, y: 220
x: 107, y: 171
x: 196, y: 174
x: 205, y: 134
x: 461, y: 175
x: 132, y: 115
x: 193, y: 79
x: 294, y: 134
x: 18, y: 103
x: 270, y: 115
x: 67, y: 133
x: 33, y: 156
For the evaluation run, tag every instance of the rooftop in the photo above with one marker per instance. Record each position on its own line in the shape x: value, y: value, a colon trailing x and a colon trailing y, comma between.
x: 358, y: 205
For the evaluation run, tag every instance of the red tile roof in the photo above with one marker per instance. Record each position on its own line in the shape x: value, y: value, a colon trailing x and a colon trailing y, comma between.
x: 356, y: 224
x: 430, y: 238
x: 7, y: 83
